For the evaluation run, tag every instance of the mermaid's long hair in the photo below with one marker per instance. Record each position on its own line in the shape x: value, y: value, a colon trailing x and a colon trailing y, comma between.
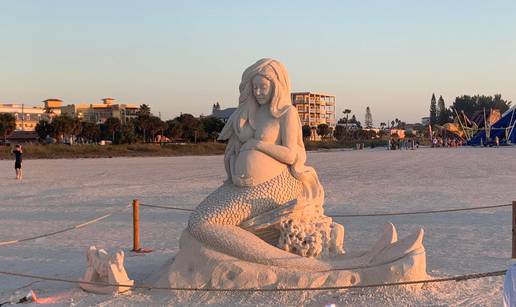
x: 241, y: 124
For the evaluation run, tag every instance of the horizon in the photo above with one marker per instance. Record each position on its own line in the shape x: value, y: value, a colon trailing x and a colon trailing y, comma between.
x: 179, y: 58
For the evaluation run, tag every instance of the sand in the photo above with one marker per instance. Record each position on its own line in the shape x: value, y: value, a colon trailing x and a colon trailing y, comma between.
x: 58, y: 193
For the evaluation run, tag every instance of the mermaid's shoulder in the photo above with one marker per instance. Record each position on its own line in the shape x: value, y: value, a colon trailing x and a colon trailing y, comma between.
x: 290, y: 114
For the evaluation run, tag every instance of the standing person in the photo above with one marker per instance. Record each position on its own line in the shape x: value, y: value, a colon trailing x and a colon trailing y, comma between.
x: 18, y: 161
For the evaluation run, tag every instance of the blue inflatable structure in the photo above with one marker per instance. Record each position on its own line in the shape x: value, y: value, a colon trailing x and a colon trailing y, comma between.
x: 503, y: 129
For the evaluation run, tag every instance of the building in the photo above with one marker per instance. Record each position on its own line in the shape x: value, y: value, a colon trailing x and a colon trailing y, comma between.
x: 23, y: 137
x: 400, y: 133
x: 315, y: 108
x: 349, y: 126
x: 425, y: 120
x: 222, y: 114
x: 100, y: 112
x: 53, y: 104
x: 27, y: 117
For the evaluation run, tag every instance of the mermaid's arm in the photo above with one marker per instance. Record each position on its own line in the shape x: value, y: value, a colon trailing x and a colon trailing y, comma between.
x: 288, y: 150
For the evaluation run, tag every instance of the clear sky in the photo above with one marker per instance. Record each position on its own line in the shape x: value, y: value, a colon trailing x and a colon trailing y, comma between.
x: 182, y: 56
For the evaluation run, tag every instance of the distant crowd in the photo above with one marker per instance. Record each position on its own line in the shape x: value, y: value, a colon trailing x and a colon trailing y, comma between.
x: 446, y: 142
x: 399, y: 144
x: 410, y: 143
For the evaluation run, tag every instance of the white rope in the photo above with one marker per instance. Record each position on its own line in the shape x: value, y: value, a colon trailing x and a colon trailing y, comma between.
x: 87, y: 223
x: 401, y: 283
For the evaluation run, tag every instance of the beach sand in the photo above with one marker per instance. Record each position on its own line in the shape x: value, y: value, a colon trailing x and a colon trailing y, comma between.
x: 58, y: 193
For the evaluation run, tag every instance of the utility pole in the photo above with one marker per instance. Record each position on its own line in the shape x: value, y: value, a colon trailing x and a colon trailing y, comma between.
x: 22, y: 117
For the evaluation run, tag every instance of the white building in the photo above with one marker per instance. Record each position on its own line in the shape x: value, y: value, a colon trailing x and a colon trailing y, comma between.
x: 99, y: 112
x: 27, y: 117
x: 315, y: 108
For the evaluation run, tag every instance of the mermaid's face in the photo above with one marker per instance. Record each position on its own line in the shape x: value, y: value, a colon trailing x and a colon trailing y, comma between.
x: 262, y: 89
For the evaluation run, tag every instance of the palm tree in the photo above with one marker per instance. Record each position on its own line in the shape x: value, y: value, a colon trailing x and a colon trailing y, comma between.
x: 89, y: 131
x: 113, y: 125
x: 7, y: 124
x: 49, y: 113
x: 150, y: 124
x: 63, y: 125
x: 307, y: 131
x: 323, y: 130
x: 144, y: 110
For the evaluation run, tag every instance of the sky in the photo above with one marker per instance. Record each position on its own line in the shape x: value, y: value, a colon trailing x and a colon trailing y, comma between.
x: 183, y: 56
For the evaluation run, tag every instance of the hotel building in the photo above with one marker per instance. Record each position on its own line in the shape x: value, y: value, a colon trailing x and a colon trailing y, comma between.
x: 27, y: 117
x: 99, y: 112
x: 315, y: 108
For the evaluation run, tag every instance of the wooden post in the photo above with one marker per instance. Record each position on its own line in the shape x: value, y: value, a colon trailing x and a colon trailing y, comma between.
x: 136, y: 225
x: 513, y: 229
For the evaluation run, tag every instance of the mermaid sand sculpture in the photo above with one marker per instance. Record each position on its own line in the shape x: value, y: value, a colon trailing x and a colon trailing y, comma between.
x: 265, y: 226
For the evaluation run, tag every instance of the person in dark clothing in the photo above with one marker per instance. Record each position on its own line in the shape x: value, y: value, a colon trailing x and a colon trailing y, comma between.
x: 18, y: 161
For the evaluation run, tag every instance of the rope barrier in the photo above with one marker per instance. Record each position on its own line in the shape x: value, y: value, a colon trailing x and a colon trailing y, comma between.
x: 167, y: 207
x: 422, y: 212
x: 9, y: 242
x: 87, y: 223
x: 365, y: 215
x: 459, y: 278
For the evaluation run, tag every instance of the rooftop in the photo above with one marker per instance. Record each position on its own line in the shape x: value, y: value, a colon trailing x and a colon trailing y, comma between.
x: 224, y: 113
x: 53, y: 99
x: 22, y: 135
x: 19, y: 105
x: 313, y: 93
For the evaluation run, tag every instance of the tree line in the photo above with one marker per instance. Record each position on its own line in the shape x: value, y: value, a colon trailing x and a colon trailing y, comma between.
x: 147, y: 128
x: 144, y: 128
x: 351, y: 129
x: 469, y: 105
x: 344, y: 133
x: 7, y: 125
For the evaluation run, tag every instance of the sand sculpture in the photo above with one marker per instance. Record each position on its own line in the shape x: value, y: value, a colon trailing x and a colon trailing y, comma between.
x: 105, y: 268
x: 265, y: 226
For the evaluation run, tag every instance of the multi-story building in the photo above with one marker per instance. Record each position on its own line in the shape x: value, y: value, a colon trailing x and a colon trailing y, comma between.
x: 99, y: 112
x: 27, y: 117
x: 315, y: 108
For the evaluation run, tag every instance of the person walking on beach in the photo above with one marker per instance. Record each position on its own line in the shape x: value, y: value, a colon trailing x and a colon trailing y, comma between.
x: 18, y: 161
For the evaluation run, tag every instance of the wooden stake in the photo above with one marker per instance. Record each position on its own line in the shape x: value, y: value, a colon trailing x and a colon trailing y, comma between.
x: 514, y: 230
x: 136, y: 225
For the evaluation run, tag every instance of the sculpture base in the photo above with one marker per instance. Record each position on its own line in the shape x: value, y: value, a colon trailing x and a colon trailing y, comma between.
x: 196, y: 266
x: 107, y: 289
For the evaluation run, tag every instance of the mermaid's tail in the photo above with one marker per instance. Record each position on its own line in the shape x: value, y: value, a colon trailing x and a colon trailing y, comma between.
x: 241, y: 244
